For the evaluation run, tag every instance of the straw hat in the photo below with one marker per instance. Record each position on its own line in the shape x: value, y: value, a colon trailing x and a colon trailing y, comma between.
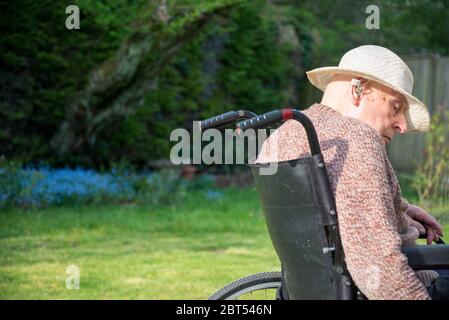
x: 381, y: 65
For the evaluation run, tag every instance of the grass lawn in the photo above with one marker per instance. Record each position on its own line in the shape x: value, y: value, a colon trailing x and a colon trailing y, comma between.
x: 136, y: 252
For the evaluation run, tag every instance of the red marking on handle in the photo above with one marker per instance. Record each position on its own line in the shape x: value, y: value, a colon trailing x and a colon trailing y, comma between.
x: 287, y: 114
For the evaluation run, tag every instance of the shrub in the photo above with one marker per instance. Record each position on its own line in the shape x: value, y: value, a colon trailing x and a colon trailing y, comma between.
x: 43, y: 186
x: 10, y: 181
x: 431, y: 180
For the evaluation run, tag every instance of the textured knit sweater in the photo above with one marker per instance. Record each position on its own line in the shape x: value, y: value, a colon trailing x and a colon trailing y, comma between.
x: 371, y: 212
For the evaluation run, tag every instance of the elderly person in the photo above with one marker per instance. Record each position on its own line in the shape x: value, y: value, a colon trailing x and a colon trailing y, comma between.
x: 367, y: 100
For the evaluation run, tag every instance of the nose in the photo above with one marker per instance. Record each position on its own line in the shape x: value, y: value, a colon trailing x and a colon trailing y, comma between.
x: 400, y: 125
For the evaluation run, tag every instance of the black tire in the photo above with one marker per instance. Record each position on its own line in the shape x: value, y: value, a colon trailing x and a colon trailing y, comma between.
x: 252, y: 283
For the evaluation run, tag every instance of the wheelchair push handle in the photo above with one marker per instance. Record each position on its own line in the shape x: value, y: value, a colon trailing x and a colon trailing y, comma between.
x: 264, y: 120
x: 276, y: 116
x: 225, y: 119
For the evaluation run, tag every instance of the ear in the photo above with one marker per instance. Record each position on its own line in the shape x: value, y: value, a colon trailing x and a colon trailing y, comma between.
x: 357, y: 88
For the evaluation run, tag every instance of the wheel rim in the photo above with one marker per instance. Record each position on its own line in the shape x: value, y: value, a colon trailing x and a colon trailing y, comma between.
x: 255, y: 288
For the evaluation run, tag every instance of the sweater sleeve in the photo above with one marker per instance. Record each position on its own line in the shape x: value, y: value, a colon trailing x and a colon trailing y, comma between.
x: 404, y: 204
x: 368, y: 225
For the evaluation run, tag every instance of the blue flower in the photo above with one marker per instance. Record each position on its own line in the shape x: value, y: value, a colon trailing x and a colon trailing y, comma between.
x: 214, y: 194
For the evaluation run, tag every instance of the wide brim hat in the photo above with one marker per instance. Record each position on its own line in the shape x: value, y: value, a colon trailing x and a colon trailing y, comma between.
x: 385, y: 67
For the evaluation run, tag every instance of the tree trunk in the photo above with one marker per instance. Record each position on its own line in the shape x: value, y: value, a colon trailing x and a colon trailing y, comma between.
x: 118, y: 86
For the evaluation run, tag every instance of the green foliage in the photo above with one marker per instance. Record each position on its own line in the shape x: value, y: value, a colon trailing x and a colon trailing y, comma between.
x: 431, y: 180
x: 13, y: 190
x: 44, y: 64
x: 408, y: 191
x: 10, y: 177
x: 218, y: 71
x: 240, y: 61
x: 430, y: 17
x: 165, y: 187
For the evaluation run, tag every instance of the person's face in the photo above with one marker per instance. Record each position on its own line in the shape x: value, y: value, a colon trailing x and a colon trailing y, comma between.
x: 384, y: 110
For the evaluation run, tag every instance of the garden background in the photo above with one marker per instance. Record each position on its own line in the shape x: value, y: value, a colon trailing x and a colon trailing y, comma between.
x: 86, y: 115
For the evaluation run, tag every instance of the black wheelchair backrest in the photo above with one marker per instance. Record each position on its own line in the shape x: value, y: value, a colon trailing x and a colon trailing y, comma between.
x: 302, y: 222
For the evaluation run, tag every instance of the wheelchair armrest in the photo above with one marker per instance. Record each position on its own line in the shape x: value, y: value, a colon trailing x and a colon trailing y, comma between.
x: 427, y: 257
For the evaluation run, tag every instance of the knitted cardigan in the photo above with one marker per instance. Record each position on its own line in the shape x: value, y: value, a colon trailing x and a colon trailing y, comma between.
x: 371, y: 212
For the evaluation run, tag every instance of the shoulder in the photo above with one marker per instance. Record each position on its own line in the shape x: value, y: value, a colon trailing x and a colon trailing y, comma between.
x: 355, y: 133
x: 328, y: 121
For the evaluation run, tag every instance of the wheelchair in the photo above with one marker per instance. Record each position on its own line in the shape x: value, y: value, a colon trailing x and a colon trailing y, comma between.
x: 302, y: 221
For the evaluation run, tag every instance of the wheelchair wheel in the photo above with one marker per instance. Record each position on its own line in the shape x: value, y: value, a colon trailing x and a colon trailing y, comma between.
x: 259, y: 286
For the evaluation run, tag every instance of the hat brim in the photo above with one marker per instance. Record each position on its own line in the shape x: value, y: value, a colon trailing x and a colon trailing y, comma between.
x: 417, y: 115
